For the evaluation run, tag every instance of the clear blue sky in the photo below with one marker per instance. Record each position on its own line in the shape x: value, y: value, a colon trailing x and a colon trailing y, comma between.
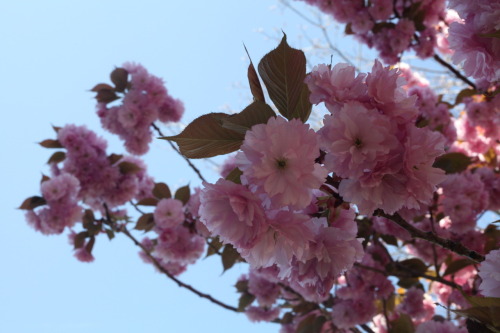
x: 53, y: 52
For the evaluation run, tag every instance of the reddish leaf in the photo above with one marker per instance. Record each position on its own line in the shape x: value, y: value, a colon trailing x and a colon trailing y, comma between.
x: 128, y: 167
x: 44, y: 178
x: 79, y: 240
x: 205, y: 137
x: 183, y: 194
x: 90, y: 245
x: 254, y: 82
x: 229, y: 257
x: 106, y: 96
x: 146, y: 222
x: 51, y: 144
x: 148, y: 202
x: 102, y: 86
x: 463, y: 94
x: 57, y: 157
x: 283, y: 71
x: 113, y: 158
x: 234, y: 176
x: 255, y: 113
x: 162, y: 191
x: 119, y: 77
x: 452, y: 162
x: 32, y: 203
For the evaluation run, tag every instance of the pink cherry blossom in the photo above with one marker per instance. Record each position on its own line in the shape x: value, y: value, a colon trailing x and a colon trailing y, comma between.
x: 168, y: 213
x: 256, y: 313
x: 279, y: 159
x: 356, y: 139
x: 233, y: 213
x: 489, y: 271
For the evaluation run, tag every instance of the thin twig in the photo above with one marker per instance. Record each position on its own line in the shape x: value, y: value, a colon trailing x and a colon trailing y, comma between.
x: 195, y: 169
x: 448, y: 244
x: 322, y: 27
x: 454, y: 71
x: 413, y: 274
x: 170, y: 276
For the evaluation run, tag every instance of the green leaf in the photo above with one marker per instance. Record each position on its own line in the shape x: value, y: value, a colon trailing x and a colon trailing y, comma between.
x: 452, y: 162
x: 119, y: 77
x: 234, y: 176
x: 229, y: 257
x: 162, y: 191
x: 283, y: 71
x: 51, y: 144
x: 183, y: 194
x: 148, y: 202
x: 128, y: 167
x: 205, y: 137
x: 146, y: 222
x: 57, y: 157
x: 253, y: 81
x: 402, y: 325
x: 33, y: 202
x: 255, y: 113
x: 457, y: 265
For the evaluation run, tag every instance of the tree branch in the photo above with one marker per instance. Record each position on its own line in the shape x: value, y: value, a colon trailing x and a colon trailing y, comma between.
x: 195, y: 169
x: 125, y: 231
x: 448, y: 244
x: 459, y: 75
x: 412, y: 274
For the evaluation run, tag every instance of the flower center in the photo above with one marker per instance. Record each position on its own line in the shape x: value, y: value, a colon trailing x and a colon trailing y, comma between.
x: 281, y: 163
x: 357, y: 143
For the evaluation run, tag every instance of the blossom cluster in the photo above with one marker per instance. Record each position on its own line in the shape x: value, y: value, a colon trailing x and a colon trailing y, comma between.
x: 371, y: 140
x: 268, y: 218
x: 393, y: 27
x: 145, y: 101
x: 180, y: 239
x: 475, y: 38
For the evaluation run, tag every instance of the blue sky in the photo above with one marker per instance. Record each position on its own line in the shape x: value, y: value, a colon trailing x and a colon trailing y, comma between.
x: 53, y: 52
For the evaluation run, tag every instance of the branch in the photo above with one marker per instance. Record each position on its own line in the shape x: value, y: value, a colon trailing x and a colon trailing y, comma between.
x: 322, y: 27
x: 412, y: 274
x: 448, y: 244
x: 170, y: 276
x: 454, y: 71
x: 195, y: 169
